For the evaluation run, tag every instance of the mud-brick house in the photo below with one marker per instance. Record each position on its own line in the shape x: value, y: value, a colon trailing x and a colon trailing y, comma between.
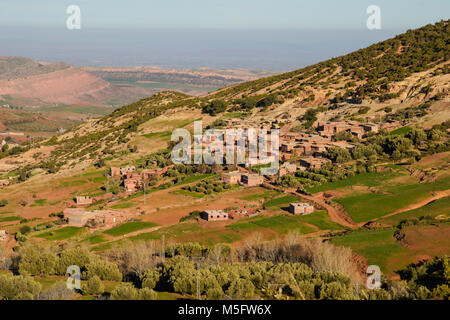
x: 4, y: 183
x: 287, y: 168
x: 311, y: 162
x: 231, y: 177
x: 3, y: 235
x: 214, y: 215
x: 301, y: 208
x: 252, y: 180
x: 79, y: 217
x: 133, y: 182
x: 83, y: 200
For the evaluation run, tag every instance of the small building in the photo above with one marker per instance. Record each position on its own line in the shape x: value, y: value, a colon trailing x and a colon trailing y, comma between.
x: 301, y: 208
x: 214, y: 215
x: 3, y: 235
x: 79, y: 217
x: 133, y: 184
x: 114, y: 172
x: 252, y: 180
x: 311, y: 162
x: 231, y: 177
x: 83, y: 200
x: 287, y: 168
x: 4, y: 183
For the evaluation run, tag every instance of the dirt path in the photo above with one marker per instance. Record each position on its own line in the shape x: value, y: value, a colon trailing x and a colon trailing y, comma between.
x: 335, y: 215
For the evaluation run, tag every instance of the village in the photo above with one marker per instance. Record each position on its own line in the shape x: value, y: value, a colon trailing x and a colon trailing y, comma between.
x: 297, y: 151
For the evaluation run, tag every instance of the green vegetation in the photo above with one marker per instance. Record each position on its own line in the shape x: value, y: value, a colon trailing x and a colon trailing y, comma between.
x: 281, y: 201
x: 321, y: 220
x: 437, y: 208
x: 376, y: 246
x: 61, y: 234
x: 366, y: 206
x: 281, y: 224
x: 10, y: 218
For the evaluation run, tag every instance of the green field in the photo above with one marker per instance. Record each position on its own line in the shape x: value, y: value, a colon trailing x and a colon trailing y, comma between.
x: 321, y: 220
x: 367, y: 206
x: 60, y: 234
x: 277, y: 202
x: 96, y: 239
x: 160, y: 135
x: 400, y: 131
x: 39, y: 203
x: 377, y: 246
x: 259, y: 196
x: 369, y: 179
x: 433, y: 209
x: 122, y: 205
x: 129, y: 227
x: 10, y: 218
x: 169, y: 232
x: 281, y: 224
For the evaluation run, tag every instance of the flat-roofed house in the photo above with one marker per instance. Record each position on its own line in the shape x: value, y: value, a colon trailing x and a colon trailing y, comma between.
x: 77, y: 217
x: 252, y: 180
x: 83, y: 200
x: 311, y: 162
x: 4, y: 183
x: 301, y: 208
x: 231, y: 177
x: 287, y: 168
x: 214, y: 215
x: 3, y: 235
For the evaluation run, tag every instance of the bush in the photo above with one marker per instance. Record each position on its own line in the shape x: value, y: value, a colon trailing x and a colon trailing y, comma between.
x: 37, y: 261
x: 94, y: 286
x: 215, y: 107
x: 103, y: 269
x: 150, y: 278
x: 3, y: 202
x: 125, y: 291
x: 18, y: 287
x: 25, y: 229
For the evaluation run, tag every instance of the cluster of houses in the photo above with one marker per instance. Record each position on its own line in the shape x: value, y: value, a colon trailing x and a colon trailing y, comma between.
x: 222, y: 215
x: 80, y: 217
x: 133, y: 180
x: 245, y: 179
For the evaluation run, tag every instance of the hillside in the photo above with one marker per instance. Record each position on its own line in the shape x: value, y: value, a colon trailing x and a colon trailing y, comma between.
x: 365, y: 146
x: 390, y: 79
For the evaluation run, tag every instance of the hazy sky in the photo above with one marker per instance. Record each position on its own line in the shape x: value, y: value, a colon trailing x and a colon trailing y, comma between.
x: 256, y: 34
x: 235, y: 14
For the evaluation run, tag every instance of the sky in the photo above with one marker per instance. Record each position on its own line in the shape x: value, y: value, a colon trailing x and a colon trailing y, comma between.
x: 253, y: 34
x: 228, y: 14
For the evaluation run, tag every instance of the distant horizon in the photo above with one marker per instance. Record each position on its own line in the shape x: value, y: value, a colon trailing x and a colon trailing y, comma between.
x: 271, y: 50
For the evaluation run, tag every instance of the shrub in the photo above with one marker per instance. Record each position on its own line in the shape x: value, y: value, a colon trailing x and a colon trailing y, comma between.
x: 94, y: 286
x: 38, y: 261
x: 18, y: 287
x: 103, y: 269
